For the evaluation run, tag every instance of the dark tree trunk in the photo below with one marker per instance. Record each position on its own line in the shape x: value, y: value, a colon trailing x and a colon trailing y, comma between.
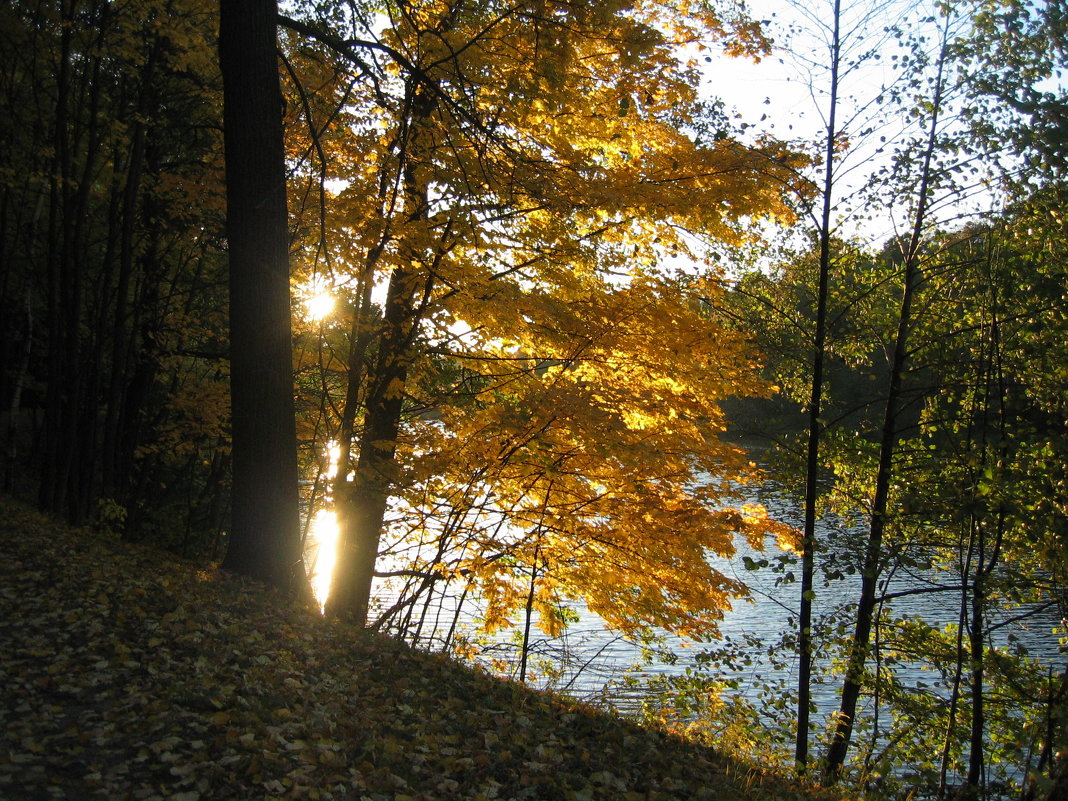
x: 123, y: 340
x: 866, y: 605
x: 812, y: 451
x: 361, y: 508
x: 860, y: 645
x: 361, y: 514
x: 265, y: 529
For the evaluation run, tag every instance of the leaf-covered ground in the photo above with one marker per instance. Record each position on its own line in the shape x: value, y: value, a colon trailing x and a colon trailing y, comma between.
x: 128, y: 675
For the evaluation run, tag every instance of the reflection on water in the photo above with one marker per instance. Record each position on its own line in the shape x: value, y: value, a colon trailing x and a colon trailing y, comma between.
x: 320, y: 549
x: 763, y: 622
x: 321, y: 553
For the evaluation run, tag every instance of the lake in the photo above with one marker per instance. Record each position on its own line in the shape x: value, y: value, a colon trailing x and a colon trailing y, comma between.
x: 756, y: 654
x: 769, y: 618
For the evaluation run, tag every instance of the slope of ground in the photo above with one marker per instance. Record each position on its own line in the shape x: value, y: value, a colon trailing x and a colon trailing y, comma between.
x: 128, y: 675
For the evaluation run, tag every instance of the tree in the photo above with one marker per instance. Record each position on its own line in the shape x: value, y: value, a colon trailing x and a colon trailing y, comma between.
x: 815, y: 422
x: 830, y: 47
x: 264, y: 537
x: 890, y: 431
x: 110, y: 260
x: 524, y: 162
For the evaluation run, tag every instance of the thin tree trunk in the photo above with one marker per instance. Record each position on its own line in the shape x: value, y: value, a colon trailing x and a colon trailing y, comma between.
x: 976, y: 640
x: 954, y: 695
x: 52, y: 494
x: 984, y: 564
x: 812, y: 457
x: 527, y: 619
x: 81, y: 416
x: 21, y: 369
x: 860, y: 644
x: 121, y: 338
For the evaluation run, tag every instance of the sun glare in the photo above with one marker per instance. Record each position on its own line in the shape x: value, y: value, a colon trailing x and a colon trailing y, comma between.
x: 317, y: 296
x: 317, y: 307
x: 324, y: 537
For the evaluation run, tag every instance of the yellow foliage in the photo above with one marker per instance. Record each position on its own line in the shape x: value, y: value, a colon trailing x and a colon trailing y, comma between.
x: 787, y: 537
x: 516, y: 190
x: 602, y: 458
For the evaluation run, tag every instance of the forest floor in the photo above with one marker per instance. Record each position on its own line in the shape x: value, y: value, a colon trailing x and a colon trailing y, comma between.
x: 127, y: 674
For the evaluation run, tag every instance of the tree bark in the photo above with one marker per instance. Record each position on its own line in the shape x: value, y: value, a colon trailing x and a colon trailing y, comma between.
x: 361, y: 507
x: 265, y: 530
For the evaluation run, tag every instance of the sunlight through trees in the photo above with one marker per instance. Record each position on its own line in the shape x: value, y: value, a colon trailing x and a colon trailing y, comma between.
x: 492, y: 318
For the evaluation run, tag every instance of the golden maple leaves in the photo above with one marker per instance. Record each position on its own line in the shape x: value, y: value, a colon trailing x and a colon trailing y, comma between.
x: 573, y: 445
x: 601, y: 456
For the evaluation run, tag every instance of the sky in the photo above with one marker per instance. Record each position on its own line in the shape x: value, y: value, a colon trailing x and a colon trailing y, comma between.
x: 786, y: 94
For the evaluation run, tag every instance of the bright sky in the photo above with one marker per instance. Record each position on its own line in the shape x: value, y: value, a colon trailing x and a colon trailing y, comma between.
x: 787, y: 94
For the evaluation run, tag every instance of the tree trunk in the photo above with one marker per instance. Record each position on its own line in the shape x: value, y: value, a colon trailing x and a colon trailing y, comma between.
x: 265, y: 529
x: 361, y: 508
x: 812, y: 459
x: 361, y: 514
x: 121, y: 338
x: 860, y: 644
x: 987, y: 555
